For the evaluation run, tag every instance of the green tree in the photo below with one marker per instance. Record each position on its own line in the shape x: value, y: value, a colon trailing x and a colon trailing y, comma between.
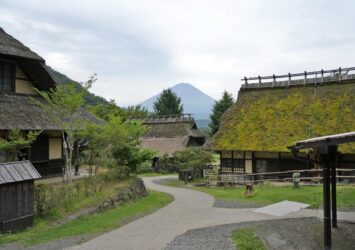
x: 124, y: 145
x: 136, y: 112
x: 193, y: 159
x: 15, y: 142
x: 62, y: 105
x: 96, y: 152
x: 219, y: 108
x: 106, y: 110
x: 168, y: 103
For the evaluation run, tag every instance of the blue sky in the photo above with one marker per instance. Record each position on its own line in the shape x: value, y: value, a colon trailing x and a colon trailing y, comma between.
x: 137, y: 48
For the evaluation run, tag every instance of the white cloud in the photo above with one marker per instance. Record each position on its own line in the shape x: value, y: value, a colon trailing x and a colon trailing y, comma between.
x: 139, y: 47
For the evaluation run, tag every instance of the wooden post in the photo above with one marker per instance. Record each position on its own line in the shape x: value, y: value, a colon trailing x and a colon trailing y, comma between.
x: 259, y: 81
x: 305, y: 77
x: 333, y: 157
x: 289, y: 79
x: 322, y: 76
x: 339, y: 74
x: 325, y: 159
x: 274, y: 80
x: 232, y: 155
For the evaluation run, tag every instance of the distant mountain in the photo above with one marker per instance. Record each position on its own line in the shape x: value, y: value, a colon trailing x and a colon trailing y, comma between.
x: 90, y: 98
x: 195, y: 101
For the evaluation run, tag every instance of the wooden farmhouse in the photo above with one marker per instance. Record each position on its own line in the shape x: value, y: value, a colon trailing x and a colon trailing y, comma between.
x: 22, y: 70
x: 272, y: 113
x: 167, y: 135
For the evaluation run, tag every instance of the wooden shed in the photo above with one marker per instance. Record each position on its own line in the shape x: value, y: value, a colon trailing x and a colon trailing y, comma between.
x: 16, y: 195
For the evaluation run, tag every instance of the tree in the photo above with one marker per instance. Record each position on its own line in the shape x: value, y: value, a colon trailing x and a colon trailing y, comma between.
x: 16, y: 141
x: 124, y: 146
x: 168, y: 103
x: 218, y: 109
x: 136, y: 112
x: 194, y: 159
x: 106, y: 110
x: 62, y: 105
x: 96, y: 152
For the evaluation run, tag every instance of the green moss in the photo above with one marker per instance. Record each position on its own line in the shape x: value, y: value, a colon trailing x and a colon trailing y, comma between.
x: 272, y: 119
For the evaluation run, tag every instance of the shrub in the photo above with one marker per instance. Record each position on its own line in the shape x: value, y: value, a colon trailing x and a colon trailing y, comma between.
x: 194, y: 159
x: 49, y: 197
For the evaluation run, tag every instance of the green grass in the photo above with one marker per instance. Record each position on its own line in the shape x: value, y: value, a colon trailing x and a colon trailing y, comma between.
x: 246, y: 239
x: 267, y: 194
x: 153, y: 174
x: 96, y: 223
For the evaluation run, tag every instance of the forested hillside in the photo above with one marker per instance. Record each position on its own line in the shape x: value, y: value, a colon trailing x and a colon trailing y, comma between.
x: 90, y: 99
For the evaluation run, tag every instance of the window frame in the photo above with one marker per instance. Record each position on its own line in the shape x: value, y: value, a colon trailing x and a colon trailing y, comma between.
x: 13, y: 77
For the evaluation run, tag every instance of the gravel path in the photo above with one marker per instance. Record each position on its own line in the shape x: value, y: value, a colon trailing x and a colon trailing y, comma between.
x: 301, y: 233
x: 190, y: 210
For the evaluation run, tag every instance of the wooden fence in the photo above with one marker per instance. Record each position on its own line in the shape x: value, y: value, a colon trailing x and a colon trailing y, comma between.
x: 305, y: 78
x: 310, y: 175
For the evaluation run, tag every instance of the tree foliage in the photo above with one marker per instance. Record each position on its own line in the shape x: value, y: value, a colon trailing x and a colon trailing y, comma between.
x: 168, y: 103
x: 136, y: 111
x: 219, y: 108
x: 16, y: 141
x: 193, y: 159
x: 106, y: 110
x: 62, y: 105
x: 123, y: 143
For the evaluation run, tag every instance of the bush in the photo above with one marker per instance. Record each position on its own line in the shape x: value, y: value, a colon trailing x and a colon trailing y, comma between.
x: 49, y: 197
x: 194, y: 159
x: 167, y: 165
x: 144, y: 168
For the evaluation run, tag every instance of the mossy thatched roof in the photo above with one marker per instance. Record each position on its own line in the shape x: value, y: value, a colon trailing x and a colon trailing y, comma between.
x: 272, y: 119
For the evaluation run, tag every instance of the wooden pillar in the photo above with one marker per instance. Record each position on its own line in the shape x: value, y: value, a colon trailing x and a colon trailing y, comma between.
x: 325, y: 159
x: 232, y: 155
x: 333, y: 157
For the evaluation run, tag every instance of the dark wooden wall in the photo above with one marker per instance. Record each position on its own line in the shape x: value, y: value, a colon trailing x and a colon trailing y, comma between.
x: 16, y: 205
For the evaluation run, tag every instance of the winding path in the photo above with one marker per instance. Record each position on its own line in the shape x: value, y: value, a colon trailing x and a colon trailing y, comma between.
x: 190, y: 210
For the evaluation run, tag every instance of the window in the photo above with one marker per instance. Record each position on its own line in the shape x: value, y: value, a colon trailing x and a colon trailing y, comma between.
x: 7, y: 76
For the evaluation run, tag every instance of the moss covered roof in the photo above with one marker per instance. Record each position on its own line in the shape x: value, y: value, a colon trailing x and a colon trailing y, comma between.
x: 272, y: 119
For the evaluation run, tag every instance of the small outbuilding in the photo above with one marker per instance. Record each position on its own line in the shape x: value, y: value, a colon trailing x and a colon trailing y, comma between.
x: 17, y: 195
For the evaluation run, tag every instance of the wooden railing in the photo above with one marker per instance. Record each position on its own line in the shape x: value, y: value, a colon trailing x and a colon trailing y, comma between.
x: 305, y: 78
x: 314, y: 175
x: 186, y: 117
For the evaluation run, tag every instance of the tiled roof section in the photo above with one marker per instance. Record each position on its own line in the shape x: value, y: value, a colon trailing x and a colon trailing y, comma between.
x: 17, y: 171
x: 13, y: 47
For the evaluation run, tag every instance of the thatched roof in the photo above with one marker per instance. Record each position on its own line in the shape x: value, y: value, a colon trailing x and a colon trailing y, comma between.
x: 270, y: 119
x: 170, y: 134
x: 30, y: 62
x: 165, y: 145
x: 20, y: 112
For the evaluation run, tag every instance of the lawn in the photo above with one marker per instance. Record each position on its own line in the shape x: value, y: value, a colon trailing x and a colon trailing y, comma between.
x: 96, y: 223
x: 268, y: 194
x: 246, y: 239
x: 153, y: 174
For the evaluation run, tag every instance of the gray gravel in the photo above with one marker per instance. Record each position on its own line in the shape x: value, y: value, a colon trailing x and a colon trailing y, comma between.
x: 304, y: 233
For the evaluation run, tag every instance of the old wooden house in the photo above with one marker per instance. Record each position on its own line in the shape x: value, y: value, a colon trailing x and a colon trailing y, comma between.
x: 273, y: 112
x: 169, y: 134
x: 22, y: 70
